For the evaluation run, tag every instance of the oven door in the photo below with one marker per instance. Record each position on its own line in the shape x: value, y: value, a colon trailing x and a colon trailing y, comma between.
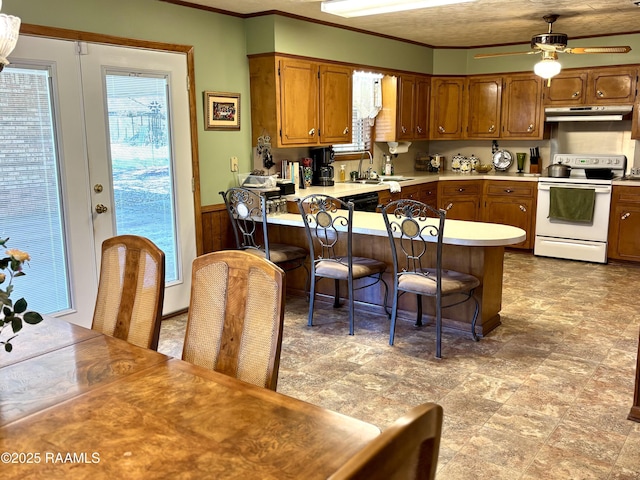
x: 596, y: 231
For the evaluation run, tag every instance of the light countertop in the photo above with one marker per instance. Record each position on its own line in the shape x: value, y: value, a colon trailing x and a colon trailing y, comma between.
x: 341, y: 190
x: 456, y: 232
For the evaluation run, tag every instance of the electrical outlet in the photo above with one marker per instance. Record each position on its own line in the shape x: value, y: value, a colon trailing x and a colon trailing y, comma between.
x: 234, y: 164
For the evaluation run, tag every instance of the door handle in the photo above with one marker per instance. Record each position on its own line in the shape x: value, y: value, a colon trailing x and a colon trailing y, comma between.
x: 100, y: 208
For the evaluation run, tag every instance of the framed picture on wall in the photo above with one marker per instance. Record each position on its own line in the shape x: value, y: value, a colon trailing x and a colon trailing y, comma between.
x: 222, y: 111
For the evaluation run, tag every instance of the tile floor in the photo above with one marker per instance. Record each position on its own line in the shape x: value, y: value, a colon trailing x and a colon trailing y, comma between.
x: 544, y: 396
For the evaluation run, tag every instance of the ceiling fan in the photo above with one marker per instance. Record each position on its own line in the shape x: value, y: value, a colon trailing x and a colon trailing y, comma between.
x: 550, y: 44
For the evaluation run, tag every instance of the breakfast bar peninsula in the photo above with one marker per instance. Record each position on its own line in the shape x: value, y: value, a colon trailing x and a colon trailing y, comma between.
x: 471, y: 247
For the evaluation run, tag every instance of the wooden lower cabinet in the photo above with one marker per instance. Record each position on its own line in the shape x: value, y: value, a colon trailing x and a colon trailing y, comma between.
x: 411, y: 192
x: 460, y: 198
x: 624, y: 224
x: 511, y: 203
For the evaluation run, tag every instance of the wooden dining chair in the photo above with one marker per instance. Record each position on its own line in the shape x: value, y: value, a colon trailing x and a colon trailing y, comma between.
x: 248, y: 215
x: 130, y: 290
x: 407, y: 450
x: 416, y: 250
x: 327, y: 221
x: 236, y: 316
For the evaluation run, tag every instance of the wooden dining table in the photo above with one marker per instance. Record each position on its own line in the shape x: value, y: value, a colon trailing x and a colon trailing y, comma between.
x: 75, y: 403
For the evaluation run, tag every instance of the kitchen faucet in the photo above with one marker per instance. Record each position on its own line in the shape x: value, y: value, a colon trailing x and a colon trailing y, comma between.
x: 360, y: 164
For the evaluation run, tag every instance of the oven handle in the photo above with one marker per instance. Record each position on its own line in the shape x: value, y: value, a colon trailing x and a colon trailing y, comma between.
x: 598, y: 189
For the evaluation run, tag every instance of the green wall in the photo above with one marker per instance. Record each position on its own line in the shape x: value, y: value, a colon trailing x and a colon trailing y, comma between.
x: 221, y: 44
x: 322, y: 41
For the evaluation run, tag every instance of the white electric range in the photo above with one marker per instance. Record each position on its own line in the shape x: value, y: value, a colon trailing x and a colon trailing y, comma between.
x: 579, y: 231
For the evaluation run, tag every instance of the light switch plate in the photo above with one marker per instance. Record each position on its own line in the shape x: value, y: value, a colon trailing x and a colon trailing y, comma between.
x: 234, y: 164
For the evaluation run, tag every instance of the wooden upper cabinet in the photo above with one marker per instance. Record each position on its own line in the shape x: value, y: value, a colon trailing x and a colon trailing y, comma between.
x: 613, y: 86
x: 593, y: 86
x: 566, y: 89
x: 635, y: 122
x: 447, y: 100
x: 423, y: 91
x: 335, y: 104
x: 522, y: 113
x: 299, y: 102
x: 484, y: 106
x: 405, y: 108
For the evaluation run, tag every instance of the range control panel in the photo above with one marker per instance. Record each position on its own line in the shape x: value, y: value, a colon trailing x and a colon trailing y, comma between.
x: 613, y: 162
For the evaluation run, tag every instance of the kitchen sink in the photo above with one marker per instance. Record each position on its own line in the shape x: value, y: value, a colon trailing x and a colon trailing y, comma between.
x: 394, y: 178
x: 366, y: 181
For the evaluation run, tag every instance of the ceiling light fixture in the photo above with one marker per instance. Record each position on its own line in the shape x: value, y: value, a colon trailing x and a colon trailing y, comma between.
x: 9, y: 30
x: 549, y: 66
x: 360, y: 8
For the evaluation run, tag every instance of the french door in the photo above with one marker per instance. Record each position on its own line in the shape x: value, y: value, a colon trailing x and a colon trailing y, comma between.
x: 107, y: 153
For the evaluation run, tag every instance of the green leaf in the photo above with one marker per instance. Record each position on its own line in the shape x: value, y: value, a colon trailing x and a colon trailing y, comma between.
x: 19, y: 274
x: 4, y: 263
x: 16, y: 324
x: 4, y: 297
x: 7, y: 311
x: 20, y: 306
x: 8, y: 347
x: 32, y: 318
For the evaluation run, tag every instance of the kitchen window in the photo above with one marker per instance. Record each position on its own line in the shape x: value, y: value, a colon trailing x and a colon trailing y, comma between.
x: 367, y: 102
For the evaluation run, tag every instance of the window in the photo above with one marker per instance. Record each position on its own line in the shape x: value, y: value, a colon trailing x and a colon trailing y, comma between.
x: 367, y: 102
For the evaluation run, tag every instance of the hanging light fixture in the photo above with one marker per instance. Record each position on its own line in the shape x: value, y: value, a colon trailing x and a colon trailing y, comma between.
x: 549, y: 66
x: 9, y: 30
x: 360, y: 8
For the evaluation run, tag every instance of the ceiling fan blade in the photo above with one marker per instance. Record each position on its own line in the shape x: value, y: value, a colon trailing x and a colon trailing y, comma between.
x: 625, y: 49
x: 503, y: 54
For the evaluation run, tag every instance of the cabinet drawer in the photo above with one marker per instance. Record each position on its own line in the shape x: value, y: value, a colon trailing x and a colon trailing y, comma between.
x: 461, y: 188
x: 513, y: 189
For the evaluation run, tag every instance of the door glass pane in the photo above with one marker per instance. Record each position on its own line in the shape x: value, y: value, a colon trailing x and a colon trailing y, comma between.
x: 141, y: 161
x: 31, y: 202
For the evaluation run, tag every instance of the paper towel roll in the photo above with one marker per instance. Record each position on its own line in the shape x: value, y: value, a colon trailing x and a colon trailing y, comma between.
x: 398, y: 147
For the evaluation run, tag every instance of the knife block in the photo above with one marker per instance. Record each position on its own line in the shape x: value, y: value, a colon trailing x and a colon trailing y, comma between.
x: 534, y: 168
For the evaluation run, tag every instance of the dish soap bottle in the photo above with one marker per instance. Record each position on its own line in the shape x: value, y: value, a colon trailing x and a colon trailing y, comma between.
x: 343, y: 173
x: 388, y: 165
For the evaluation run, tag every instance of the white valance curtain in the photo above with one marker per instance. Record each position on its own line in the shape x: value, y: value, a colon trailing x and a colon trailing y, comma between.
x: 367, y: 95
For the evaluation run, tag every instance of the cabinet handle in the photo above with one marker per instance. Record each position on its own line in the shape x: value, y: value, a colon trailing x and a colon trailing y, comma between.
x: 312, y: 132
x: 508, y: 190
x: 441, y: 129
x: 600, y: 93
x: 523, y: 208
x: 461, y: 189
x: 624, y: 216
x: 419, y: 129
x: 404, y: 130
x: 576, y: 94
x: 448, y: 207
x: 345, y: 131
x: 492, y: 128
x: 530, y: 129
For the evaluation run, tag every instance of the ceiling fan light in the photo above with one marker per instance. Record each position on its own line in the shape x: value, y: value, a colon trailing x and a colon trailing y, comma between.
x: 9, y: 31
x: 360, y: 8
x: 547, y: 68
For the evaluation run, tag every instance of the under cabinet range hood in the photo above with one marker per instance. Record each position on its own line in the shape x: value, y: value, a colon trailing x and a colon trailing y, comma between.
x: 596, y: 113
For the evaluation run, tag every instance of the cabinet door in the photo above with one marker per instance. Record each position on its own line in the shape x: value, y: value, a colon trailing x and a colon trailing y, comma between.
x: 428, y: 193
x: 515, y: 211
x: 566, y: 89
x: 624, y: 224
x: 335, y: 104
x: 484, y: 102
x: 298, y: 102
x: 612, y: 86
x: 446, y: 118
x: 461, y: 199
x: 423, y: 90
x: 522, y: 114
x: 406, y: 108
x: 635, y: 127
